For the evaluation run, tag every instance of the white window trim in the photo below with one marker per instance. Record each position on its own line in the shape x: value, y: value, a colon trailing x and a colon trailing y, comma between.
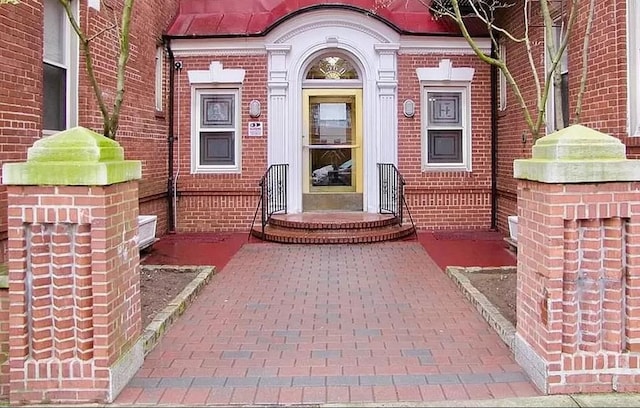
x: 502, y: 78
x: 159, y: 79
x: 215, y: 80
x: 633, y: 69
x: 196, y: 167
x: 446, y: 78
x: 550, y: 117
x: 71, y: 54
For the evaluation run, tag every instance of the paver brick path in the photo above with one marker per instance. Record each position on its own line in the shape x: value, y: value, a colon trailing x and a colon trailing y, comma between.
x: 294, y: 324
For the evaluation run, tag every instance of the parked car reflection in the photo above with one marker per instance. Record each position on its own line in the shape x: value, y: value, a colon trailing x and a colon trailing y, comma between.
x: 331, y: 175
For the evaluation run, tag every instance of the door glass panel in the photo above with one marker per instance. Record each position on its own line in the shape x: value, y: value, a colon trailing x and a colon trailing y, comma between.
x: 330, y: 121
x: 331, y: 167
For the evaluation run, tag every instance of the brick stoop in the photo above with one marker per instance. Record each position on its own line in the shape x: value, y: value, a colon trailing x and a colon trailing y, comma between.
x: 333, y: 228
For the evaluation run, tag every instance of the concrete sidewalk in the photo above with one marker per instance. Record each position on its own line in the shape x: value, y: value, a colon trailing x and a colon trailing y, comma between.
x: 579, y: 400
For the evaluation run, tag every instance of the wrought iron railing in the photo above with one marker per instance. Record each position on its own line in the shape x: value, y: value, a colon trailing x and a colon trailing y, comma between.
x: 273, y: 194
x: 391, y: 190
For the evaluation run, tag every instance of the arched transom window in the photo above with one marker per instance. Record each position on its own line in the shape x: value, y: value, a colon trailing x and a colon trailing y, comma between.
x: 332, y: 67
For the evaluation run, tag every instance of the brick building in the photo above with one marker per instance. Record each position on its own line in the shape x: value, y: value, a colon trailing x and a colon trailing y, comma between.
x: 329, y: 89
x: 272, y: 70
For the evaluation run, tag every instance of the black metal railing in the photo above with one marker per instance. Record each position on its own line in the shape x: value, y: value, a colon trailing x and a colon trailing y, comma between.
x: 391, y: 190
x: 273, y: 194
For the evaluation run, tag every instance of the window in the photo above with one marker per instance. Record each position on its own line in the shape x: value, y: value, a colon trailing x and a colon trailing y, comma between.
x: 633, y: 71
x: 445, y: 132
x: 446, y: 116
x: 218, y: 138
x: 59, y: 69
x: 502, y: 78
x: 159, y: 78
x: 562, y: 103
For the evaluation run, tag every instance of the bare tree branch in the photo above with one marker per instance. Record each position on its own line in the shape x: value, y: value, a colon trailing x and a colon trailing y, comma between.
x: 585, y: 61
x: 86, y: 50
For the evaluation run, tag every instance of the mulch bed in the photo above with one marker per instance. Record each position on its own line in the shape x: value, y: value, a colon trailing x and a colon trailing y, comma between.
x: 158, y: 287
x: 499, y: 288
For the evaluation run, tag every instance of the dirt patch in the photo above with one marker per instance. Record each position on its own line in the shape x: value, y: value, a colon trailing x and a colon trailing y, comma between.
x: 159, y: 286
x: 499, y: 288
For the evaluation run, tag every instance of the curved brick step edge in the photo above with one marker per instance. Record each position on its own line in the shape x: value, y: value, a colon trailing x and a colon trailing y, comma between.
x: 155, y: 330
x: 489, y: 312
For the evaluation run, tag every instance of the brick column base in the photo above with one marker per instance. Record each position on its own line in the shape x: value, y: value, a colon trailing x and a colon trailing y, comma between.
x: 578, y: 323
x: 74, y: 283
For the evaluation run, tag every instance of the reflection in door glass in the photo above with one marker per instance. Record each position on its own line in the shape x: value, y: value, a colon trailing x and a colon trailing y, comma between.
x: 330, y: 122
x: 331, y: 167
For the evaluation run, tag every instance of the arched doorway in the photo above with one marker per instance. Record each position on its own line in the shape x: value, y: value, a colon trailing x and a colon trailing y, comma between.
x: 332, y: 134
x: 300, y: 81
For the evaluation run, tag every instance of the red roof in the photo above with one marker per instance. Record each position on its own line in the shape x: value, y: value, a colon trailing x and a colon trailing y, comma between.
x: 218, y: 18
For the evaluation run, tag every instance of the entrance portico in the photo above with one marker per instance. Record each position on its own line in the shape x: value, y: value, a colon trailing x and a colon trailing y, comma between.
x: 292, y: 49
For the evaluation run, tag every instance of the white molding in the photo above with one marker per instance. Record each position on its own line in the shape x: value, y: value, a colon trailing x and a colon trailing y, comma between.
x: 329, y: 21
x: 443, y: 79
x: 189, y: 47
x: 372, y: 47
x: 633, y: 67
x: 445, y: 72
x: 216, y: 74
x: 441, y: 45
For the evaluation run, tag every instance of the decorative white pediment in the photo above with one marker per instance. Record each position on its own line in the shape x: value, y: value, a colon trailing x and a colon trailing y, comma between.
x: 445, y: 72
x: 216, y: 74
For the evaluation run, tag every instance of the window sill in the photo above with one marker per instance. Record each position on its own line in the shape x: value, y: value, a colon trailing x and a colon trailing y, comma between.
x: 215, y: 170
x: 159, y: 114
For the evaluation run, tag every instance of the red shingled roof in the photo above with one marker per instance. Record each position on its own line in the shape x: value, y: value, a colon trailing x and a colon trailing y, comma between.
x: 217, y: 18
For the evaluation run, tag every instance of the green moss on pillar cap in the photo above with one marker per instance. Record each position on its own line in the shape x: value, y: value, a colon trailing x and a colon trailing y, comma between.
x: 577, y: 154
x: 76, y: 157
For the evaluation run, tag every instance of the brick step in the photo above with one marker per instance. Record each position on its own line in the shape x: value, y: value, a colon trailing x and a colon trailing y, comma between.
x: 332, y: 220
x: 333, y: 235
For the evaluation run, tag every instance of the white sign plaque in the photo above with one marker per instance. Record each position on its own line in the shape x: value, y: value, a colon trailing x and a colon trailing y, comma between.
x: 255, y: 129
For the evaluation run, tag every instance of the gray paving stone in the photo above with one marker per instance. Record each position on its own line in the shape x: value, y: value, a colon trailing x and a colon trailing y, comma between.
x: 309, y: 381
x: 140, y: 382
x: 409, y: 380
x: 286, y: 333
x: 376, y: 380
x: 325, y: 354
x: 345, y: 380
x: 367, y: 332
x: 275, y: 381
x: 241, y: 354
x: 417, y: 353
x: 443, y: 379
x: 509, y: 377
x: 480, y: 378
x: 180, y: 382
x: 239, y: 382
x: 209, y: 381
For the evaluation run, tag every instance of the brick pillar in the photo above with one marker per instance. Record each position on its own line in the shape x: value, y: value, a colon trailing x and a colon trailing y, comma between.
x: 578, y: 327
x: 74, y: 285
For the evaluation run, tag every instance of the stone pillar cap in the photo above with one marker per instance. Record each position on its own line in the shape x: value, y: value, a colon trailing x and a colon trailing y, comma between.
x: 577, y: 154
x: 77, y: 156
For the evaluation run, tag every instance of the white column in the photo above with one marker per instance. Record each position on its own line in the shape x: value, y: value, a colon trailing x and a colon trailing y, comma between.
x: 386, y: 119
x: 277, y: 112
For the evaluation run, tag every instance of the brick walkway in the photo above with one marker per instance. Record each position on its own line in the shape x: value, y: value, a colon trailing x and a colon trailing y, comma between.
x: 286, y: 324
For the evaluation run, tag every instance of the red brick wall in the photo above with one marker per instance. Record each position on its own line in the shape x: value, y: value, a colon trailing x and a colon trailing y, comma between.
x: 452, y: 199
x: 4, y: 343
x: 143, y: 131
x: 221, y: 202
x: 604, y: 105
x: 20, y: 89
x: 578, y: 284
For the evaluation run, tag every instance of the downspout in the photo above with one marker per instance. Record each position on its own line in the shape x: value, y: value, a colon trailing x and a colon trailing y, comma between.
x: 494, y: 141
x: 170, y: 139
